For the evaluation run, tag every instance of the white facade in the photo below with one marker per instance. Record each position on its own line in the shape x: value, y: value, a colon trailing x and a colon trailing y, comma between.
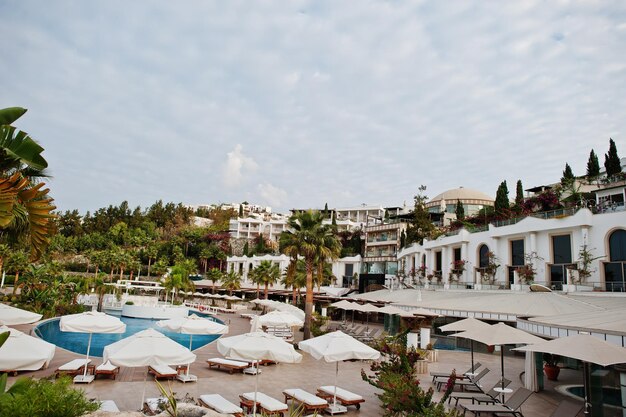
x: 535, y: 235
x: 252, y: 227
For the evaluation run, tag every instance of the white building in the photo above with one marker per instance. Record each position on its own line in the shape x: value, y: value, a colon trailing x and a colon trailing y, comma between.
x: 472, y: 200
x: 556, y: 239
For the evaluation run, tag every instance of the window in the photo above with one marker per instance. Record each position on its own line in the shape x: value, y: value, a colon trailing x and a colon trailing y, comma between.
x: 438, y: 261
x: 517, y: 252
x: 483, y: 257
x: 562, y: 249
x: 617, y: 246
x: 457, y: 254
x: 615, y: 270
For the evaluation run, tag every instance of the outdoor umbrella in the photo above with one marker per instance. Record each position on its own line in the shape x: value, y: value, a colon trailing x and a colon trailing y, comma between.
x: 258, y: 346
x: 585, y: 348
x: 192, y: 325
x: 144, y: 348
x: 389, y: 309
x: 12, y: 316
x: 90, y: 322
x: 342, y: 305
x: 334, y: 347
x: 22, y: 352
x: 500, y: 334
x: 275, y: 319
x: 469, y: 323
x: 424, y: 312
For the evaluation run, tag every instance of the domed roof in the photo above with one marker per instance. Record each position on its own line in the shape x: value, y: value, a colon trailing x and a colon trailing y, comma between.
x: 460, y: 193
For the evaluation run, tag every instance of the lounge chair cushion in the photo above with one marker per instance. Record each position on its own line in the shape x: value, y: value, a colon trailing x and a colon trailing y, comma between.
x: 74, y: 365
x: 153, y: 403
x: 305, y: 397
x: 267, y: 402
x: 341, y: 393
x: 228, y: 362
x: 106, y: 367
x: 163, y: 370
x: 220, y: 404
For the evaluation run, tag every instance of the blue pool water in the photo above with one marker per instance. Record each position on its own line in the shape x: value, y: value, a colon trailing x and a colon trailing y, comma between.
x: 611, y: 396
x: 77, y: 342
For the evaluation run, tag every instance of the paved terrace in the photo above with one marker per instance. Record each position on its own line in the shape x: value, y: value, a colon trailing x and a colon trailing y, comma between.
x: 126, y: 391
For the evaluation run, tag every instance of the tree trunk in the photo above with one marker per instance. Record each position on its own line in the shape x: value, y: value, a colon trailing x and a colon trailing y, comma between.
x: 308, y: 302
x: 258, y: 290
x: 149, y: 265
x: 294, y: 296
x: 95, y: 274
x: 265, y: 291
x: 17, y: 276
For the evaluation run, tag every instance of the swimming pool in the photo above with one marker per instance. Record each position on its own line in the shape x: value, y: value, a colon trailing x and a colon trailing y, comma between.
x: 77, y: 342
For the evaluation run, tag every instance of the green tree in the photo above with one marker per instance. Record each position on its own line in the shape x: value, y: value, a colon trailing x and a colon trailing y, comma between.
x: 18, y: 263
x: 231, y: 281
x: 420, y: 226
x: 25, y: 206
x: 519, y: 197
x: 459, y: 210
x: 315, y: 242
x: 593, y: 166
x: 214, y: 275
x: 612, y: 162
x: 151, y: 252
x: 268, y: 273
x: 240, y: 210
x: 501, y: 204
x: 568, y: 175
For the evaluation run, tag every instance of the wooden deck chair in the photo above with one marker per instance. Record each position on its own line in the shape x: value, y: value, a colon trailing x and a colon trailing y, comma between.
x: 512, y: 406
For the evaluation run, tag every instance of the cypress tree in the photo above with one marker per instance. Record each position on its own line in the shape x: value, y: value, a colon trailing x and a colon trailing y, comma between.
x: 501, y: 204
x: 240, y: 210
x: 568, y: 175
x: 593, y: 166
x: 519, y: 194
x: 325, y: 210
x: 460, y: 211
x: 611, y: 160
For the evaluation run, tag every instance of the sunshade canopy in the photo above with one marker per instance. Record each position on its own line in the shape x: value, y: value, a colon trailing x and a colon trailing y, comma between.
x: 193, y: 325
x: 22, y: 352
x: 424, y: 312
x: 365, y: 308
x: 469, y: 323
x: 500, y: 334
x: 582, y: 347
x: 343, y: 304
x: 389, y: 309
x: 12, y: 316
x: 338, y: 346
x: 91, y: 322
x: 276, y: 318
x: 258, y: 346
x: 147, y: 347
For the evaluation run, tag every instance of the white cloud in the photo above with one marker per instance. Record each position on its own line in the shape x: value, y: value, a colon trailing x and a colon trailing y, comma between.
x: 272, y: 195
x: 236, y: 166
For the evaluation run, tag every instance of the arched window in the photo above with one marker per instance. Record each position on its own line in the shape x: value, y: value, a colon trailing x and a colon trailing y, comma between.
x: 483, y: 257
x: 617, y: 246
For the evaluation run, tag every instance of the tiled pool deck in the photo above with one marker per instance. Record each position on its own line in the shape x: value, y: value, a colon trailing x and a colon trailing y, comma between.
x: 126, y: 391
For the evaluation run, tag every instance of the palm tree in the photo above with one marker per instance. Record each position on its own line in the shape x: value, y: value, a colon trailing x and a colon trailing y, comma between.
x: 18, y: 262
x: 295, y: 278
x: 214, y: 275
x: 25, y: 206
x: 314, y: 242
x: 267, y: 273
x: 151, y: 252
x: 231, y: 281
x: 254, y: 277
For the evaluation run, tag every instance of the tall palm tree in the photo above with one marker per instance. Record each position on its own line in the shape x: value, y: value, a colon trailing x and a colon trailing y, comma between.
x: 267, y: 273
x: 25, y: 206
x: 295, y: 278
x: 231, y: 281
x: 214, y: 275
x: 314, y: 242
x: 253, y: 276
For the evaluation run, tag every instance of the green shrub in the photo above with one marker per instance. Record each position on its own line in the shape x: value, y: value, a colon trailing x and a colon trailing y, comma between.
x: 44, y: 398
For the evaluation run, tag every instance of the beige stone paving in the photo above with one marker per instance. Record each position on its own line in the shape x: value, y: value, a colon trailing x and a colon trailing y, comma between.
x: 127, y: 389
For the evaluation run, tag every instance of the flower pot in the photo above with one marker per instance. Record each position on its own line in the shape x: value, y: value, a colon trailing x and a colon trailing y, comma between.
x: 552, y: 372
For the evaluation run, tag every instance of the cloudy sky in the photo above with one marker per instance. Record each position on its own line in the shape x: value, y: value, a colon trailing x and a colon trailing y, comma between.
x: 299, y: 103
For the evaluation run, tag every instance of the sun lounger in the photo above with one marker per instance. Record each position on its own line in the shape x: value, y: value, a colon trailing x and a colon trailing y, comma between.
x: 162, y: 371
x: 344, y: 397
x: 463, y: 376
x: 567, y: 409
x: 265, y: 404
x: 72, y: 368
x: 488, y: 397
x: 108, y: 369
x: 309, y: 401
x: 511, y: 406
x: 471, y: 382
x: 229, y: 364
x: 218, y: 403
x: 152, y: 406
x: 109, y: 406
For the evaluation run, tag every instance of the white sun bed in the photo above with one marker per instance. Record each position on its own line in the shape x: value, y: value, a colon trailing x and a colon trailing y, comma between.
x: 220, y: 404
x: 344, y: 397
x: 266, y: 404
x: 162, y: 371
x: 309, y: 401
x: 229, y: 364
x: 72, y: 368
x: 107, y: 368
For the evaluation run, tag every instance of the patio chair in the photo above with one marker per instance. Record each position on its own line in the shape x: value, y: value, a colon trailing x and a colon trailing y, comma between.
x: 108, y: 369
x: 306, y: 400
x: 511, y: 406
x: 567, y: 408
x: 230, y: 365
x: 72, y: 368
x: 463, y: 383
x: 218, y: 403
x: 266, y: 405
x: 373, y: 335
x: 490, y: 396
x: 463, y: 376
x: 344, y: 397
x: 162, y: 371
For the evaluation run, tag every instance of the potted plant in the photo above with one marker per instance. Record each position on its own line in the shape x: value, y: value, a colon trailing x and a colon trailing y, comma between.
x: 550, y: 366
x: 489, y: 271
x: 458, y: 267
